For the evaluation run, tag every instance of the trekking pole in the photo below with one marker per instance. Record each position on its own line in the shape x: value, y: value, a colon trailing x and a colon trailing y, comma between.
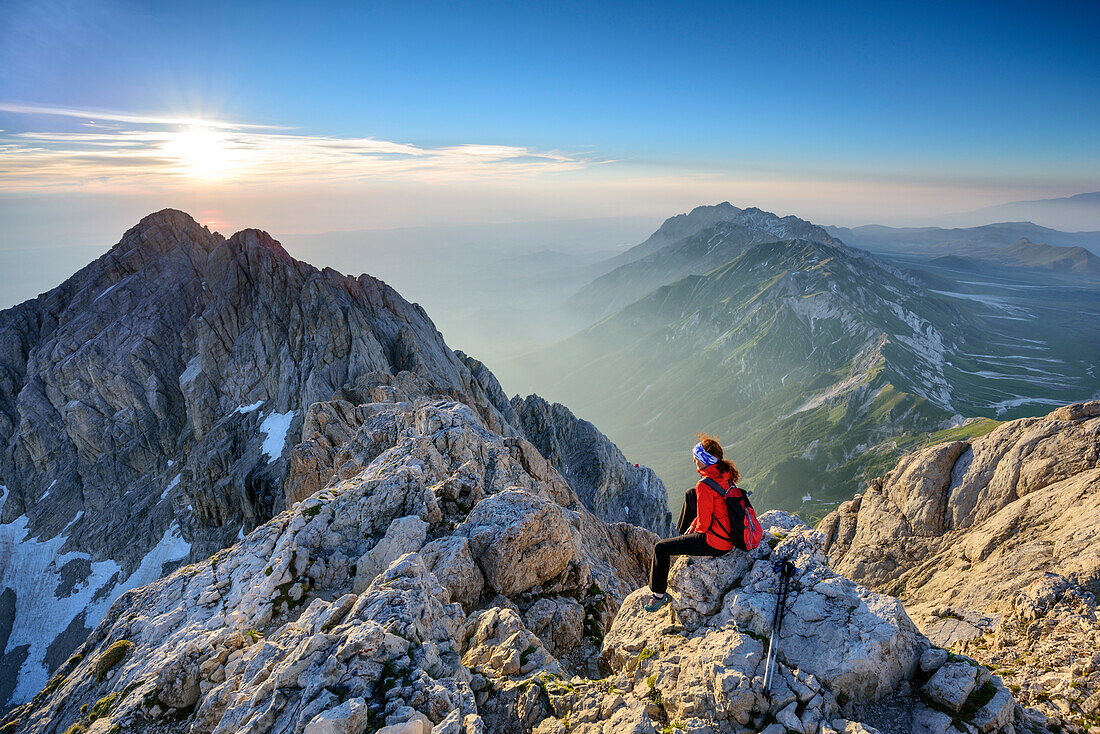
x: 786, y: 572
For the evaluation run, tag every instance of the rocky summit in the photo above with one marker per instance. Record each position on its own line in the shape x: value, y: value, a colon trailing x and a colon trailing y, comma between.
x: 451, y: 581
x: 423, y: 555
x: 994, y: 545
x: 184, y: 389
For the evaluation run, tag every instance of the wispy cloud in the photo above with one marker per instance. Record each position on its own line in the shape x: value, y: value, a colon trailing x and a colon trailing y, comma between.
x: 146, y: 150
x: 101, y: 115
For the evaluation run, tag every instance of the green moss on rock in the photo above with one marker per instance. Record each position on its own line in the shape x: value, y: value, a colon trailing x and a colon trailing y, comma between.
x: 111, y: 657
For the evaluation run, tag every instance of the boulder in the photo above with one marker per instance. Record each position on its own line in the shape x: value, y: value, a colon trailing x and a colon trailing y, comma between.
x: 997, y: 713
x: 350, y: 717
x: 452, y: 563
x: 558, y: 622
x: 952, y: 684
x: 933, y: 658
x: 404, y: 535
x: 418, y: 724
x: 519, y: 540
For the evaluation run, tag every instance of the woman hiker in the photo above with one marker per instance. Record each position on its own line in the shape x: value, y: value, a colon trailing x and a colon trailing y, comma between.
x: 704, y: 525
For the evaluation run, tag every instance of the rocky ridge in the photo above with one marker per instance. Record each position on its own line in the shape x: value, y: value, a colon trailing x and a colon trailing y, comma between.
x: 151, y: 404
x: 994, y: 545
x: 453, y: 582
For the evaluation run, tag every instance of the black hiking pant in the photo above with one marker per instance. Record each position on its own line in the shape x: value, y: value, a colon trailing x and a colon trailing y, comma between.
x: 689, y: 544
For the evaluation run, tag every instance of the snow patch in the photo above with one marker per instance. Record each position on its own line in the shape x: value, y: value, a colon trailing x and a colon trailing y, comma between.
x: 116, y: 285
x: 192, y: 371
x: 171, y: 547
x: 171, y: 485
x: 245, y: 409
x: 32, y: 569
x: 275, y: 428
x: 72, y: 522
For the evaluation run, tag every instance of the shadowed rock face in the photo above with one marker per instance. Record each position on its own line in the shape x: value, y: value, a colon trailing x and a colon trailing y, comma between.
x: 150, y: 405
x: 606, y: 482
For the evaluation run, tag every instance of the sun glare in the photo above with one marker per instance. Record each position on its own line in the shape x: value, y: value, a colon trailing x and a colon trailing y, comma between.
x: 201, y: 152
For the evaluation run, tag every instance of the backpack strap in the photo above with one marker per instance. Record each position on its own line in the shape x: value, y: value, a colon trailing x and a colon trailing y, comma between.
x: 715, y: 486
x: 724, y: 492
x: 721, y: 493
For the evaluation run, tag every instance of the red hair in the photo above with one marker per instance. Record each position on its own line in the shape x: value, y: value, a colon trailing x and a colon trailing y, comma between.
x: 712, y: 447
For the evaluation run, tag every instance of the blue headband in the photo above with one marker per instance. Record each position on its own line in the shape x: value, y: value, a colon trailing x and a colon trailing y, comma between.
x: 701, y: 454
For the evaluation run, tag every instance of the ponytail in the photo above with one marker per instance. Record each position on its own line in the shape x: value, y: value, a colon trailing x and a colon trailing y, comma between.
x: 712, y: 447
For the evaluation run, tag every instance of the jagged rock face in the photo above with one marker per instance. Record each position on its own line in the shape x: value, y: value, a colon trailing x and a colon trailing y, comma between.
x: 272, y: 632
x: 970, y: 531
x: 609, y: 485
x: 149, y: 406
x: 287, y: 631
x: 975, y: 521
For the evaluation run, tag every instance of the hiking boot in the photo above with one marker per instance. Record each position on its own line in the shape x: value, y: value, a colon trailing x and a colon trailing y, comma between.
x: 657, y: 602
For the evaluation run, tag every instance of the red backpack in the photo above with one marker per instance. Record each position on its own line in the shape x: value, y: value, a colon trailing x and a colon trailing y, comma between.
x: 742, y: 516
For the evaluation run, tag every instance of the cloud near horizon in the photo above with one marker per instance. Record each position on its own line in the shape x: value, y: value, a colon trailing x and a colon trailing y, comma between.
x: 118, y: 149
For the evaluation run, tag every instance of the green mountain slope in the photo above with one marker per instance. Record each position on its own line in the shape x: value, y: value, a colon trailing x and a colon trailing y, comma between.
x: 687, y: 244
x: 813, y: 362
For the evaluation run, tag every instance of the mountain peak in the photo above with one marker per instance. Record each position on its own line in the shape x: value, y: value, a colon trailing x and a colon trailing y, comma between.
x: 167, y: 230
x: 252, y: 238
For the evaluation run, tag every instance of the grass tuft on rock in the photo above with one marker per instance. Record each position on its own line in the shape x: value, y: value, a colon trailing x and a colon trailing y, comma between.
x: 111, y: 657
x: 102, y: 707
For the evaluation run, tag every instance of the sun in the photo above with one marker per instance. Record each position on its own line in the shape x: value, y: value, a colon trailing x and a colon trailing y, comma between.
x: 201, y: 152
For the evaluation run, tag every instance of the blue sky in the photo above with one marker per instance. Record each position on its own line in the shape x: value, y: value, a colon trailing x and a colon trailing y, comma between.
x: 866, y: 111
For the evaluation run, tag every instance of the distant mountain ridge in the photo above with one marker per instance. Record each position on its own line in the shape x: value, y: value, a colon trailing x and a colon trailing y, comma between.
x: 1080, y: 212
x: 788, y: 345
x: 688, y: 244
x: 1031, y: 256
x: 814, y: 360
x: 938, y: 240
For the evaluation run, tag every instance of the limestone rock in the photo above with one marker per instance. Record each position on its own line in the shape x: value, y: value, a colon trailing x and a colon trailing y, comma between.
x: 951, y: 685
x: 930, y: 721
x: 994, y: 543
x: 997, y: 713
x: 259, y: 636
x: 404, y: 535
x: 348, y: 718
x: 149, y: 406
x: 519, y: 540
x: 962, y: 521
x: 701, y: 583
x: 453, y: 564
x: 933, y: 658
x: 558, y: 622
x: 839, y: 641
x: 418, y: 724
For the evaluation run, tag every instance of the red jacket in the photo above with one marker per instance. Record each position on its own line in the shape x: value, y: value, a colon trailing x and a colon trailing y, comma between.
x: 712, y: 517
